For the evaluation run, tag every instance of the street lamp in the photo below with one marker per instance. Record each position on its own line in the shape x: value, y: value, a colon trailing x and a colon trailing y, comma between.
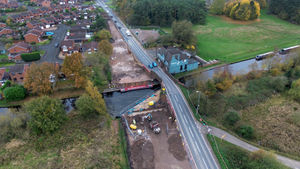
x: 198, y: 99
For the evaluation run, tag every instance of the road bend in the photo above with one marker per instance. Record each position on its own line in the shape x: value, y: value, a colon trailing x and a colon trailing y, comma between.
x: 200, y: 152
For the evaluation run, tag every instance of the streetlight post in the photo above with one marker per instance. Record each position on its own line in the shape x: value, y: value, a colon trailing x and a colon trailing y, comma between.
x: 198, y: 100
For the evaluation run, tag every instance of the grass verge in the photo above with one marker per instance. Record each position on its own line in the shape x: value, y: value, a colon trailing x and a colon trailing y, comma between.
x: 123, y: 148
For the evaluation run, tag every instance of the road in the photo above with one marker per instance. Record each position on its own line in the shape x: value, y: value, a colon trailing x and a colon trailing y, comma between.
x: 200, y: 151
x: 230, y: 138
x: 51, y: 52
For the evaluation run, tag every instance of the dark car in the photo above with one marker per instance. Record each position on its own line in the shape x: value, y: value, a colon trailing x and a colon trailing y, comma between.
x: 56, y: 45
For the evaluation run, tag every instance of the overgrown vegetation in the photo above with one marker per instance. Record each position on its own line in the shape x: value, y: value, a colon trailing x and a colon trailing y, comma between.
x: 236, y: 157
x: 247, y: 104
x: 242, y: 9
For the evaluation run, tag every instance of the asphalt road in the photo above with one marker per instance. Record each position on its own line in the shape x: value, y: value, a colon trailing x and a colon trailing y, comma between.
x: 200, y: 151
x: 51, y: 52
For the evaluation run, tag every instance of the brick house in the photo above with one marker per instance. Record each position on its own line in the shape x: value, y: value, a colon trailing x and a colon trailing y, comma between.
x: 6, y: 31
x: 89, y: 47
x: 35, y: 25
x: 4, y: 1
x: 4, y: 76
x: 17, y: 72
x: 2, y: 25
x: 46, y: 3
x: 33, y: 36
x: 17, y: 49
x: 49, y: 21
x: 68, y: 47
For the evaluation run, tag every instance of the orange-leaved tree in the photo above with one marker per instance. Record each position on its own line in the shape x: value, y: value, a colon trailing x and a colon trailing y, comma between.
x: 37, y: 78
x: 74, y: 69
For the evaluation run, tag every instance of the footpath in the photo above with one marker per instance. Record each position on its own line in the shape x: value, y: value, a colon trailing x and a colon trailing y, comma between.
x: 234, y: 140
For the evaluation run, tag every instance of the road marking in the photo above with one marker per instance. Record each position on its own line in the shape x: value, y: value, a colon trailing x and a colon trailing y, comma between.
x: 180, y: 108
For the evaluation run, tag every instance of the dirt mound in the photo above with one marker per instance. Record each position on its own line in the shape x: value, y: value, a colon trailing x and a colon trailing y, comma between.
x: 142, y: 155
x: 176, y: 147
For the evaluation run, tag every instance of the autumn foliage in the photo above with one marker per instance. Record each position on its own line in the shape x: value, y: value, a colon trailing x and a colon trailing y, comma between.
x: 37, y: 78
x: 74, y: 69
x: 242, y: 9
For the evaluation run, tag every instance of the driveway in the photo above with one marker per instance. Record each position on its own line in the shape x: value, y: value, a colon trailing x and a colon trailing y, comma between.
x: 51, y: 52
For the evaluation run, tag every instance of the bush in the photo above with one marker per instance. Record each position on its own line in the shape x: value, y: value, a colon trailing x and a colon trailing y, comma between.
x: 232, y: 117
x: 14, y: 93
x: 47, y: 115
x: 28, y: 57
x: 295, y: 90
x: 6, y: 84
x: 246, y: 131
x: 86, y: 106
x: 242, y: 10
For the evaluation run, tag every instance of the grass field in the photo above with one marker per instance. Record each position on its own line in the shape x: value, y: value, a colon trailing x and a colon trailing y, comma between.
x: 230, y: 42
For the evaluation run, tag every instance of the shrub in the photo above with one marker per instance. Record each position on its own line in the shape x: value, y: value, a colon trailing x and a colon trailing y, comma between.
x: 14, y: 93
x: 47, y: 115
x: 295, y: 90
x: 28, y: 57
x: 242, y: 10
x: 246, y: 131
x: 86, y: 106
x: 6, y: 84
x: 232, y: 117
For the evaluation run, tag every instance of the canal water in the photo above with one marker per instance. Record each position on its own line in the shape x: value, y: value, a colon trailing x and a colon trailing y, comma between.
x: 117, y: 102
x: 239, y: 68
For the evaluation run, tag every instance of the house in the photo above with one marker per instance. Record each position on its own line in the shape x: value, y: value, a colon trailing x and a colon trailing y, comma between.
x: 89, y: 47
x: 33, y: 36
x: 176, y: 61
x: 4, y: 76
x: 49, y: 22
x: 2, y: 25
x: 17, y: 72
x: 35, y: 25
x: 4, y: 1
x: 46, y: 3
x: 68, y: 47
x: 17, y: 49
x: 5, y: 31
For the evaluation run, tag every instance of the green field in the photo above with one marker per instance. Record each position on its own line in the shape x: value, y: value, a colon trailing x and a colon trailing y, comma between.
x: 230, y: 42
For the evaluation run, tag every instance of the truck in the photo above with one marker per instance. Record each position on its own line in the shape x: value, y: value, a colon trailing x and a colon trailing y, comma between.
x: 128, y: 33
x: 154, y: 125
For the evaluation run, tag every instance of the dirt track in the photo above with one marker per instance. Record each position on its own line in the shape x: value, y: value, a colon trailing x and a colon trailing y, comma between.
x: 124, y: 67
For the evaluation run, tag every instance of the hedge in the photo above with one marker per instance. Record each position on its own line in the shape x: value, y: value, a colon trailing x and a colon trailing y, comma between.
x: 14, y: 93
x: 28, y: 57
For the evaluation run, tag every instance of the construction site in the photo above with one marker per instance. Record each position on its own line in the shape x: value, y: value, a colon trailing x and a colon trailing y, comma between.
x: 153, y: 136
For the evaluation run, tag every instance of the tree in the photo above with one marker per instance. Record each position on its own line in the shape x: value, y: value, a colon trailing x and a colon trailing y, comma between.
x: 93, y: 92
x: 37, y: 78
x: 47, y: 115
x: 74, y: 69
x: 86, y: 106
x: 262, y: 3
x: 99, y: 24
x: 105, y: 47
x: 217, y: 7
x: 287, y: 9
x: 232, y: 117
x: 242, y: 10
x: 102, y: 35
x: 14, y: 93
x: 246, y: 131
x: 183, y: 33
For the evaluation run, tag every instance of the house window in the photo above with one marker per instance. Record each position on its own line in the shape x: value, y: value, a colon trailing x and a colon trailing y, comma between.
x: 185, y: 67
x: 15, y: 79
x: 180, y: 67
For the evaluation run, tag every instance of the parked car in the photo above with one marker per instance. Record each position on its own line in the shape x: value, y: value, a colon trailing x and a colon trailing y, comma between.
x: 56, y: 45
x: 154, y: 64
x: 150, y: 66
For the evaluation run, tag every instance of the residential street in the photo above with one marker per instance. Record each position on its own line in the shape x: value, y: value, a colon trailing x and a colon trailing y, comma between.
x: 200, y: 152
x: 51, y: 52
x: 232, y: 139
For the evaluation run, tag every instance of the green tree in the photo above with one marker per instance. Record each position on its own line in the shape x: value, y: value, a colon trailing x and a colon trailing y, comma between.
x: 217, y: 7
x: 14, y: 93
x: 246, y: 131
x: 99, y: 24
x: 86, y: 106
x: 47, y: 115
x: 232, y: 117
x: 286, y: 9
x: 183, y: 33
x: 105, y: 47
x: 104, y: 34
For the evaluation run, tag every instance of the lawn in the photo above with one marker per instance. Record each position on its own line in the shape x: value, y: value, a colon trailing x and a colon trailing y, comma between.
x: 230, y: 42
